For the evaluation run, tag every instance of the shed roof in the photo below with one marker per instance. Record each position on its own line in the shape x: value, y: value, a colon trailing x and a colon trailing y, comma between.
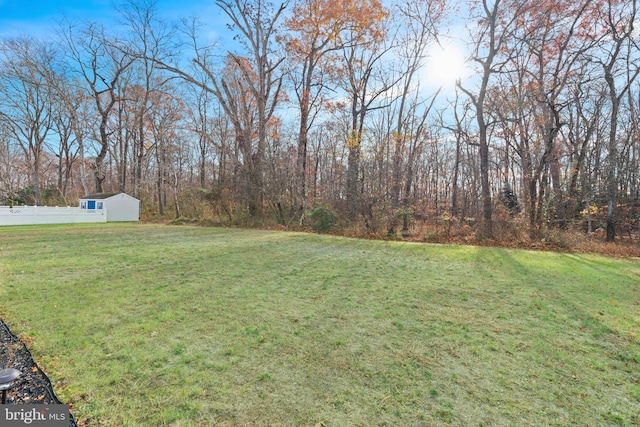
x: 99, y: 196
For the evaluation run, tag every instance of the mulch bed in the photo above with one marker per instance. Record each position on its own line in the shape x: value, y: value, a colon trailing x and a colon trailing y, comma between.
x: 33, y: 386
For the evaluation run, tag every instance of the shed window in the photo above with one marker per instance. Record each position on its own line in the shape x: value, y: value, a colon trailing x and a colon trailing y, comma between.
x: 83, y: 204
x: 91, y: 204
x: 100, y: 205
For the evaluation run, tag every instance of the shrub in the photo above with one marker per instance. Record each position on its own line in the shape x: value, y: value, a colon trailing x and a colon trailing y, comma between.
x: 509, y: 199
x: 50, y: 196
x: 322, y: 219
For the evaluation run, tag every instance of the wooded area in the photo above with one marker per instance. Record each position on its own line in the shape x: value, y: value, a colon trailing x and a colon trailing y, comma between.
x: 319, y: 112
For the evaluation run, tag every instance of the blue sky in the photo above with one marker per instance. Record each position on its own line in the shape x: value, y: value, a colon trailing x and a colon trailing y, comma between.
x: 36, y: 10
x: 38, y: 17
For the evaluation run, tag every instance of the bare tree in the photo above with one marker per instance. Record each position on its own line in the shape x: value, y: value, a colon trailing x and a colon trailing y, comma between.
x: 255, y: 75
x: 365, y: 81
x: 26, y: 100
x: 554, y: 37
x: 418, y: 21
x: 488, y: 41
x: 621, y: 66
x: 100, y: 63
x: 584, y: 116
x: 9, y: 160
x: 149, y: 41
x: 256, y: 22
x: 200, y: 106
x: 316, y: 29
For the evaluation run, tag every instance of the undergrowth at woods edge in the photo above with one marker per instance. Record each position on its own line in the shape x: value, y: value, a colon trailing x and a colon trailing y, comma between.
x: 509, y: 231
x: 141, y: 325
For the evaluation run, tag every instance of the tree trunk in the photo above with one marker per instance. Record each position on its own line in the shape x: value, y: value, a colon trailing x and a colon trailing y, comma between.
x: 353, y: 163
x: 612, y: 182
x: 83, y: 172
x: 35, y: 180
x: 301, y: 161
x: 485, y: 189
x: 557, y: 193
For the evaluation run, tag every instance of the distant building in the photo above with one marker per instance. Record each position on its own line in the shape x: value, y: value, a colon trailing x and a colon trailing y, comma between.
x: 118, y: 206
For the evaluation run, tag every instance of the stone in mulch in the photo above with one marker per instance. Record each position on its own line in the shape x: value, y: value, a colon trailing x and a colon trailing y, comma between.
x: 33, y: 386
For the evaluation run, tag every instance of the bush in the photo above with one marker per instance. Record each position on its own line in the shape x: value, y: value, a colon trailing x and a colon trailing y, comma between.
x: 322, y: 219
x: 509, y: 200
x: 50, y: 196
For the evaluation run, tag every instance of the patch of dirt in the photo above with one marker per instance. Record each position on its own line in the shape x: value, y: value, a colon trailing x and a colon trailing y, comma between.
x: 33, y: 386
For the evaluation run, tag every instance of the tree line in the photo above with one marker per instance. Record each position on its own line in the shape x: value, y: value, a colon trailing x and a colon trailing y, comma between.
x: 320, y: 108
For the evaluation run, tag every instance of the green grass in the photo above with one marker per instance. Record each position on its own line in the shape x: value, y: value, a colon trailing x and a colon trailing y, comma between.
x: 150, y: 325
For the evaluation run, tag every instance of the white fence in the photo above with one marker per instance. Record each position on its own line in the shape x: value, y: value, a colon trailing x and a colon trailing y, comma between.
x: 26, y: 215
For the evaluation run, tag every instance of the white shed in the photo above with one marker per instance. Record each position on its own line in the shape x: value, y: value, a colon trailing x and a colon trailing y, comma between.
x: 118, y: 206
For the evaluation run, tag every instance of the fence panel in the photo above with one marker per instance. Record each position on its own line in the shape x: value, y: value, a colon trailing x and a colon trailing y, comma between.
x: 29, y: 215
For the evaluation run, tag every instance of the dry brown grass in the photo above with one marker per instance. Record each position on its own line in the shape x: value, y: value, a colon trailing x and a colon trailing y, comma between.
x: 509, y: 232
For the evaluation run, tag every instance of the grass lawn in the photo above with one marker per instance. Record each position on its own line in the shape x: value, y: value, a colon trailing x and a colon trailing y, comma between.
x: 150, y: 325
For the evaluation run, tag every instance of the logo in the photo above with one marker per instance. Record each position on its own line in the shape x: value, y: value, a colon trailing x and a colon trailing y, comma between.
x: 34, y: 415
